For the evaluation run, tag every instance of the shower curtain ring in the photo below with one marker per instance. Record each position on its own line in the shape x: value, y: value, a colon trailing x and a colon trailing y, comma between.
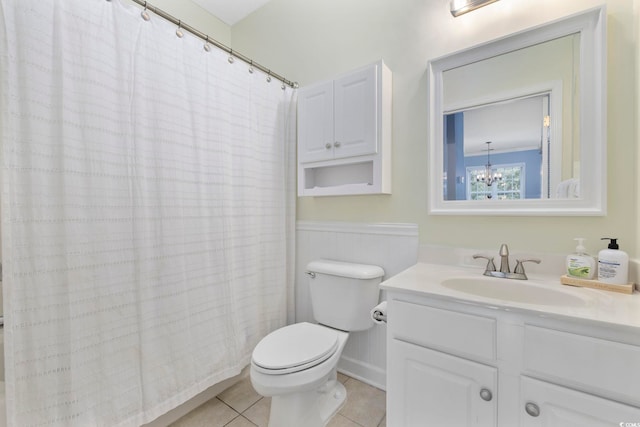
x: 269, y: 76
x: 207, y: 46
x: 179, y: 32
x: 145, y: 15
x: 231, y: 58
x: 251, y: 67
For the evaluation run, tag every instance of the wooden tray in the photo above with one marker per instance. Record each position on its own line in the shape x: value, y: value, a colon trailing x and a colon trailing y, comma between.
x: 585, y: 283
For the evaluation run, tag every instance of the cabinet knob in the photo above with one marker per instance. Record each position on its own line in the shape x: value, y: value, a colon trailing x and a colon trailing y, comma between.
x: 336, y: 144
x: 486, y: 394
x: 327, y: 145
x: 532, y: 409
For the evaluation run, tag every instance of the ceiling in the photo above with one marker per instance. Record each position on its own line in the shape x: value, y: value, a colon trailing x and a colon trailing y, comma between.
x: 230, y: 11
x: 510, y: 126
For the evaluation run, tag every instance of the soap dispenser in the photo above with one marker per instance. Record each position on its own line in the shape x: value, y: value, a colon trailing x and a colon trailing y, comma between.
x: 580, y: 264
x: 613, y: 264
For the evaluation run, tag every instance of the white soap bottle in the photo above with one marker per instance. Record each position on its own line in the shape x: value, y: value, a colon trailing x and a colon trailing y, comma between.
x: 580, y: 264
x: 613, y: 264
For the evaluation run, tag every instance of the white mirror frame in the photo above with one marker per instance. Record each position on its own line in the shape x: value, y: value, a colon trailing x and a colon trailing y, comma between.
x: 591, y: 25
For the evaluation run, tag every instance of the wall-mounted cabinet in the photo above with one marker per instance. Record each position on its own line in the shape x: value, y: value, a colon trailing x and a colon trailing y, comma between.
x: 344, y: 134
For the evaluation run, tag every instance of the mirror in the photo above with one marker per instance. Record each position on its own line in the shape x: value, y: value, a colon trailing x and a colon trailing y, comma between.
x: 514, y: 123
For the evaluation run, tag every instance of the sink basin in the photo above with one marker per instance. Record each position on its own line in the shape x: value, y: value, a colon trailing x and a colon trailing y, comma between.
x: 512, y: 290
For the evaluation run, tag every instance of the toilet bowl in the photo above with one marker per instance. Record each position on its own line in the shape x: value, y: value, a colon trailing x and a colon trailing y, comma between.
x: 297, y: 365
x: 303, y: 392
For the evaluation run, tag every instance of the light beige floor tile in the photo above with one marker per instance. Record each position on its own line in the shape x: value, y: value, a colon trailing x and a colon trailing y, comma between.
x: 213, y: 413
x: 259, y: 412
x: 240, y: 396
x: 340, y: 421
x: 366, y: 405
x: 241, y: 422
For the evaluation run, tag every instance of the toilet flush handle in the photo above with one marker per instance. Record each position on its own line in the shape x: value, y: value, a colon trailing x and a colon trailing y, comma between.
x: 310, y: 274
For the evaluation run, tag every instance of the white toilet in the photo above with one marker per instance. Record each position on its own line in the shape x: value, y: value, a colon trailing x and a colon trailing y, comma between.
x: 297, y: 365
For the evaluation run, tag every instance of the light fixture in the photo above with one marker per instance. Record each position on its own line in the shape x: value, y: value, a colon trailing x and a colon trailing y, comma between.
x: 488, y: 176
x: 460, y: 7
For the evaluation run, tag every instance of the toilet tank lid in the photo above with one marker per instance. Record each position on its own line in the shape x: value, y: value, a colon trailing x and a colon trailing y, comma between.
x: 345, y: 269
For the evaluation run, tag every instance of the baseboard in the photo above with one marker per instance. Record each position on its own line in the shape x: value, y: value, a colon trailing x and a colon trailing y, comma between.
x: 364, y: 372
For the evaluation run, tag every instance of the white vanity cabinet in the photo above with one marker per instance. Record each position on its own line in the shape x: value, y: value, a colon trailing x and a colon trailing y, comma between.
x: 440, y: 376
x: 344, y: 134
x: 458, y: 364
x: 564, y: 407
x: 432, y: 388
x: 578, y: 376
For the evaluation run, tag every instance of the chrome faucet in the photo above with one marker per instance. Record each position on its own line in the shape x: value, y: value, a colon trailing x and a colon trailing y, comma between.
x: 505, y: 271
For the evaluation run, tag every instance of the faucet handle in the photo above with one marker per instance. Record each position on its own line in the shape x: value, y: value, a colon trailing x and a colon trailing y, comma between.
x: 490, y: 265
x: 520, y: 267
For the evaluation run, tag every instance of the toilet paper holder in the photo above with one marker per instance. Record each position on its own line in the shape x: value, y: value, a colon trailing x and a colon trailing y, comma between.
x: 379, y: 316
x: 379, y: 313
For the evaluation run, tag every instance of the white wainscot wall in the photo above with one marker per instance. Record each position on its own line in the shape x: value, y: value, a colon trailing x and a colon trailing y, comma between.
x: 394, y: 247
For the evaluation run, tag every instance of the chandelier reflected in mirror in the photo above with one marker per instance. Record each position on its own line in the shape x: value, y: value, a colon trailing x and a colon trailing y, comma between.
x: 489, y: 176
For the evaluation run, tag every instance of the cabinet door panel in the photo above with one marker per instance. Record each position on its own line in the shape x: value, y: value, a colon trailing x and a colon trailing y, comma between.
x: 315, y: 122
x: 479, y: 332
x: 570, y: 359
x: 356, y: 114
x: 429, y: 388
x: 560, y: 406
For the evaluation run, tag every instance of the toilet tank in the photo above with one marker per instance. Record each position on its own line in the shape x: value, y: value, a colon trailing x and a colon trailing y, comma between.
x: 343, y: 294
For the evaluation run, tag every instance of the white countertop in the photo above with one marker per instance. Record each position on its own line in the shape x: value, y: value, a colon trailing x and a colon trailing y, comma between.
x: 425, y: 280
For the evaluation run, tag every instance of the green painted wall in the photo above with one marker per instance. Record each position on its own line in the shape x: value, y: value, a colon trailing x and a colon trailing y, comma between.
x: 312, y: 40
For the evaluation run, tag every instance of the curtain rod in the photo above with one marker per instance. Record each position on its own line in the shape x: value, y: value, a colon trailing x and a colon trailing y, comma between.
x: 214, y: 42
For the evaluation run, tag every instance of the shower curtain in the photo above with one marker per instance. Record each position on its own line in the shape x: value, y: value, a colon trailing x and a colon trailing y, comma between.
x: 147, y: 212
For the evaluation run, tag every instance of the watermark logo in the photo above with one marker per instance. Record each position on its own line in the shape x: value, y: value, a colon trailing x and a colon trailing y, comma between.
x: 623, y: 424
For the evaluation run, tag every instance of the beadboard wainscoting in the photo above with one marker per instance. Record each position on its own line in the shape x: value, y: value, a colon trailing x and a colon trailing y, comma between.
x: 394, y: 247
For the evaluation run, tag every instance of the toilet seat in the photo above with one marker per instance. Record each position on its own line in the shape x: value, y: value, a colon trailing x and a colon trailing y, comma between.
x: 294, y: 348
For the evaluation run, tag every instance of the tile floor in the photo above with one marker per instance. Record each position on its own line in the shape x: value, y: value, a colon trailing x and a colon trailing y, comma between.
x: 241, y: 406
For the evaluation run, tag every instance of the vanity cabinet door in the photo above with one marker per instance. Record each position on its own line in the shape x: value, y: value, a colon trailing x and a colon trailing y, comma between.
x: 430, y: 388
x: 545, y: 404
